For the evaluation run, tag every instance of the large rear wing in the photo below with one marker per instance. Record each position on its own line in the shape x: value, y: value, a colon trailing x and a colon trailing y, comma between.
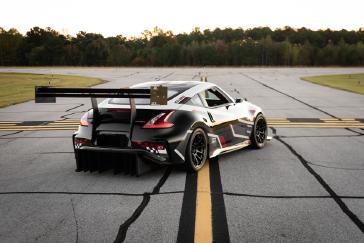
x: 156, y: 94
x: 46, y: 94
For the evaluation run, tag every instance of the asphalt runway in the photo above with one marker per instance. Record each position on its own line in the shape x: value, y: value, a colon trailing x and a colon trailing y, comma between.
x: 306, y: 185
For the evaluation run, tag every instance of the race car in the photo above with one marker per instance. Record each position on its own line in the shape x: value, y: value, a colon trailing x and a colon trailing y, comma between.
x: 184, y: 122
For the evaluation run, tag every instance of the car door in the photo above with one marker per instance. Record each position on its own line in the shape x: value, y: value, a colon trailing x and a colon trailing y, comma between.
x: 224, y: 116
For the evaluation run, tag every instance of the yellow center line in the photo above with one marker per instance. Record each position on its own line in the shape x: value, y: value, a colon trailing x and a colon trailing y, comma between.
x: 203, y: 221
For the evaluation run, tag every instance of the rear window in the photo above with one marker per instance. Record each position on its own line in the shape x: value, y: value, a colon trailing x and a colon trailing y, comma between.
x: 171, y: 93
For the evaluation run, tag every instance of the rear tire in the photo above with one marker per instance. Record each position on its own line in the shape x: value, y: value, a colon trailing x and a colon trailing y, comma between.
x: 259, y: 133
x: 197, y: 150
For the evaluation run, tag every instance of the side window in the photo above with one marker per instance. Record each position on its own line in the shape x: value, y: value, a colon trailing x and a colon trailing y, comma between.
x: 195, y: 101
x: 214, y: 97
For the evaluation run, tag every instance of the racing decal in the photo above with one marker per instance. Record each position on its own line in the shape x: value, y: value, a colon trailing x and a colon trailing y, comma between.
x: 182, y: 145
x: 235, y: 134
x: 179, y: 154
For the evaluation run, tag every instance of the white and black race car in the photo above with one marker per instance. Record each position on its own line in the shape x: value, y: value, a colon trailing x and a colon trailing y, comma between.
x: 191, y: 122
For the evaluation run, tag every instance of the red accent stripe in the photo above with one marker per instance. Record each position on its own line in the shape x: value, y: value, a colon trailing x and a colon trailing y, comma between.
x: 222, y: 141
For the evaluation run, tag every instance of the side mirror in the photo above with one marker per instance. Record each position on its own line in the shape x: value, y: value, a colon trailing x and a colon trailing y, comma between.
x: 238, y: 100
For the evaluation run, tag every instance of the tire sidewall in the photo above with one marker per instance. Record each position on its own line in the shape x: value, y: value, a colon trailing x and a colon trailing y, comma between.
x: 256, y: 144
x: 189, y: 161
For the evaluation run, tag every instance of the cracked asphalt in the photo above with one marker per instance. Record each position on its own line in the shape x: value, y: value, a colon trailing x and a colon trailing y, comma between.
x: 306, y: 185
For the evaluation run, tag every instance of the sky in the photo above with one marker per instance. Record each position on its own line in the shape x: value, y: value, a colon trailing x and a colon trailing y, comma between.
x: 131, y: 18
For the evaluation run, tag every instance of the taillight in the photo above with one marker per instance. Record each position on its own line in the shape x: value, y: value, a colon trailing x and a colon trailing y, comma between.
x: 160, y: 121
x: 84, y: 120
x: 79, y: 142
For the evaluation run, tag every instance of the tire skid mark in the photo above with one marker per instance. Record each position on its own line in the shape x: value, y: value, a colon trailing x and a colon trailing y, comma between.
x: 326, y: 186
x: 186, y: 229
x: 146, y: 199
x: 219, y: 219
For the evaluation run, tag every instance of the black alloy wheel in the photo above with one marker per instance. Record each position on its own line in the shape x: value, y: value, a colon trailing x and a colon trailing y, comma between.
x: 197, y: 148
x: 259, y: 134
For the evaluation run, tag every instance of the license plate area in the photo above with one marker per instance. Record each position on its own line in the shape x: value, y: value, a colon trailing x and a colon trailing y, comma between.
x: 112, y: 139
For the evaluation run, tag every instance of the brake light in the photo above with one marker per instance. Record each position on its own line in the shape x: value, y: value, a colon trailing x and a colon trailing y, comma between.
x: 160, y: 121
x: 84, y: 120
x: 79, y: 142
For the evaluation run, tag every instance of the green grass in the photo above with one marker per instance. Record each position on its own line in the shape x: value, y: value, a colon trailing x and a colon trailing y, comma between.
x: 349, y: 82
x: 19, y: 87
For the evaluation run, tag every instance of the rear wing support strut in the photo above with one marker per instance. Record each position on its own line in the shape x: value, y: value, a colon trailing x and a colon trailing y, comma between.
x: 156, y: 94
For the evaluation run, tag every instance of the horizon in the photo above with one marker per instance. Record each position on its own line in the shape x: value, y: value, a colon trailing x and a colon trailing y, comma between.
x: 65, y: 33
x: 130, y: 19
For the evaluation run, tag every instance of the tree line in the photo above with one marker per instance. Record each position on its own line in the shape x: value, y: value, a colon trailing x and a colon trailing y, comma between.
x: 219, y: 47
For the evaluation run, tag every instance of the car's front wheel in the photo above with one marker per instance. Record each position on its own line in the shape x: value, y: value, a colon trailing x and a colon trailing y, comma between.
x: 259, y: 134
x: 197, y: 148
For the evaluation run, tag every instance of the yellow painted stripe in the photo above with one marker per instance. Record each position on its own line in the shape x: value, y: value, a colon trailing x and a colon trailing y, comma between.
x: 65, y: 121
x: 60, y: 125
x: 283, y: 121
x: 315, y: 126
x: 349, y: 121
x: 203, y: 221
x: 315, y: 123
x: 38, y: 129
x: 21, y: 127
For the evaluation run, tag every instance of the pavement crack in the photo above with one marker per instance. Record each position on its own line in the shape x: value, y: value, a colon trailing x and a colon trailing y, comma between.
x: 75, y: 218
x: 288, y: 196
x: 290, y: 96
x: 146, y: 199
x: 8, y: 134
x: 334, y: 167
x: 74, y: 107
x: 65, y: 117
x: 354, y: 218
x: 352, y: 130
